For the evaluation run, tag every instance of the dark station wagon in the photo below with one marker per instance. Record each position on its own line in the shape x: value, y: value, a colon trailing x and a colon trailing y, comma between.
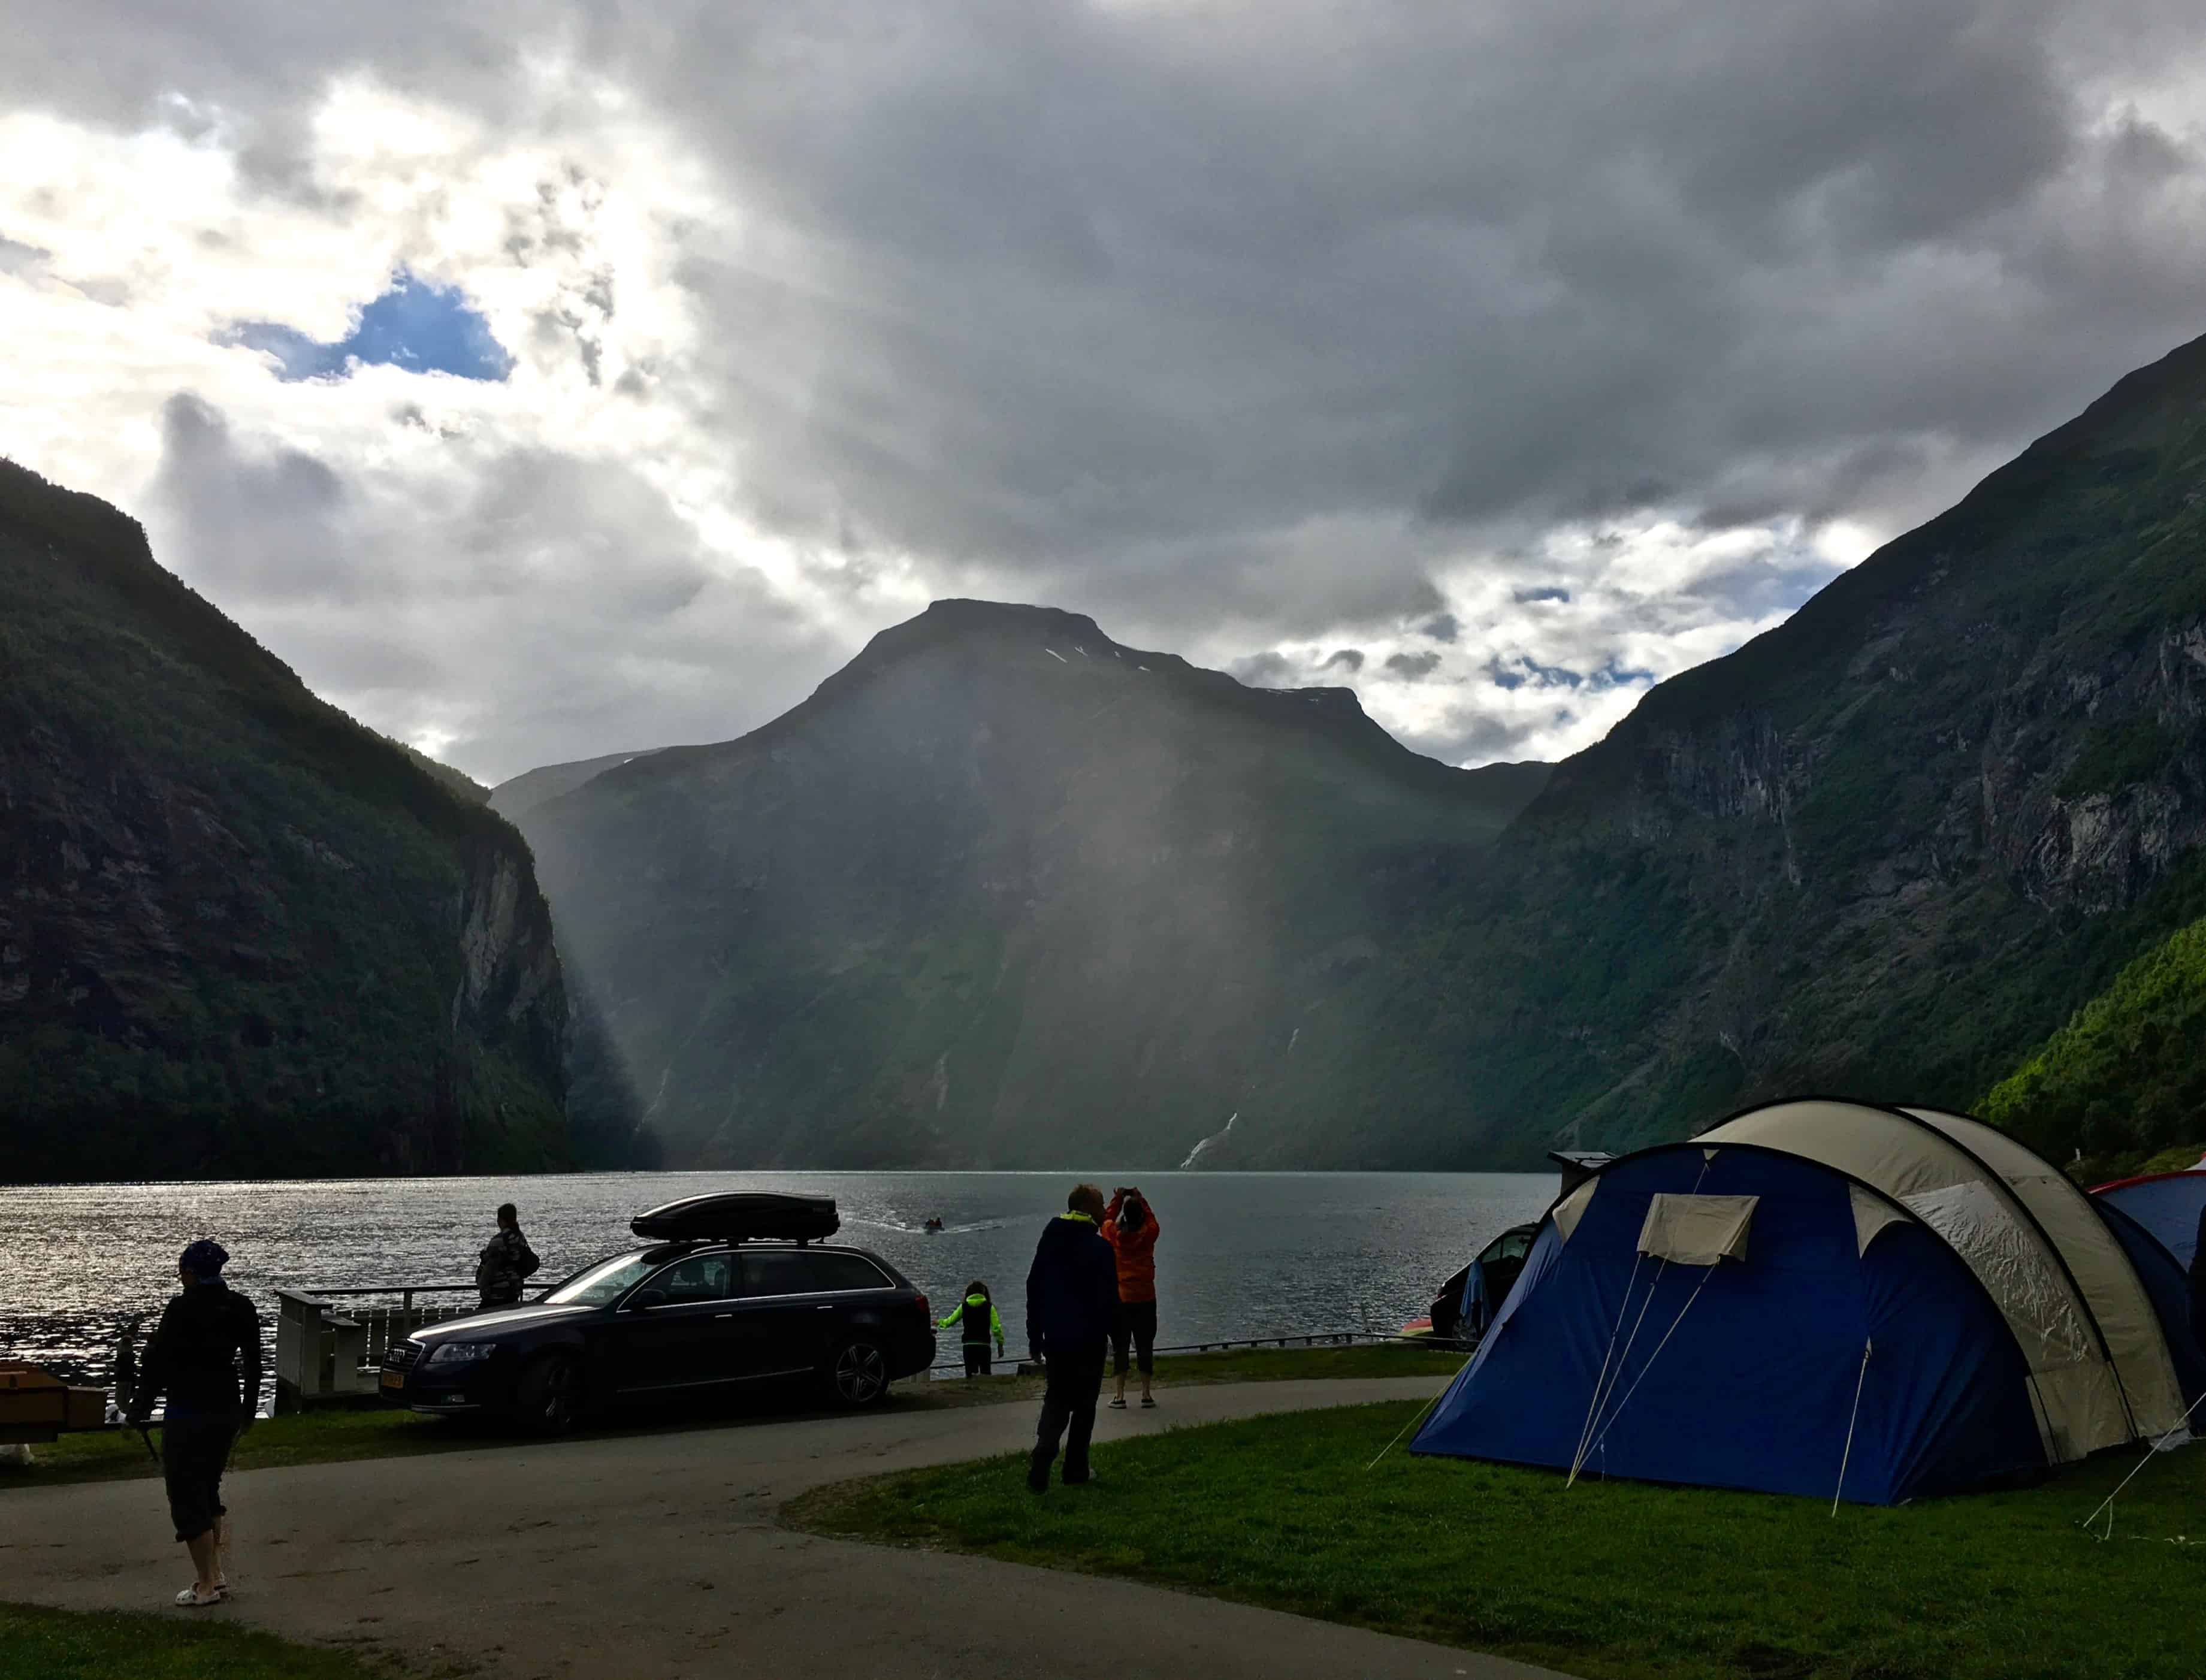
x: 738, y: 1292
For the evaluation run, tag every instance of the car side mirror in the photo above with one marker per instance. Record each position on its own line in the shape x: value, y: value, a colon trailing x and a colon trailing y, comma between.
x: 647, y: 1298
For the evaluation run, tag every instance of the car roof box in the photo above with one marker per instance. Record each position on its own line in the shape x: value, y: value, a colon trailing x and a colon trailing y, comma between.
x: 740, y: 1216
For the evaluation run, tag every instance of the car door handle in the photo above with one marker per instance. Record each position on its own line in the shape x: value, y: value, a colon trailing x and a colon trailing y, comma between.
x: 716, y: 1316
x: 823, y: 1309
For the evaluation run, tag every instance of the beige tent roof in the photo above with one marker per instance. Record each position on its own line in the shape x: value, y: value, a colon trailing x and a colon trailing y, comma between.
x: 2127, y: 1324
x: 2098, y: 1361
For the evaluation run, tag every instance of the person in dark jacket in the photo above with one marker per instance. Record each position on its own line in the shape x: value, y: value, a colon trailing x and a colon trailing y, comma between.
x: 506, y: 1260
x: 981, y: 1324
x: 206, y: 1358
x: 1072, y: 1300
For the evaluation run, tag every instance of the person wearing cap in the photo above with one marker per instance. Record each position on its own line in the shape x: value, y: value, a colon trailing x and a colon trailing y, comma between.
x: 206, y: 1358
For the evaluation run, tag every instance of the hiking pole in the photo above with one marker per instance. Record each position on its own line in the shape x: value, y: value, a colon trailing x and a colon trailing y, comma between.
x: 146, y: 1434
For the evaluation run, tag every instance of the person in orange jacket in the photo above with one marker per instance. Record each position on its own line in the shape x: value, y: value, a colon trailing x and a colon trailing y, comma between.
x: 1130, y: 1226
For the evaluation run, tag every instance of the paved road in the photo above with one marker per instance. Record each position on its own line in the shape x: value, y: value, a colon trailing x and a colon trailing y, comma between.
x: 661, y: 1554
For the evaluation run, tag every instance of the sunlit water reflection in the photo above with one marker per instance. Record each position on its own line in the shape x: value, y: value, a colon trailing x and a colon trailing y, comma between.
x: 1242, y: 1253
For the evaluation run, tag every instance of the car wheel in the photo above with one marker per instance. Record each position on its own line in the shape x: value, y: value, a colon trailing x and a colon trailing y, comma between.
x: 858, y: 1374
x: 548, y: 1399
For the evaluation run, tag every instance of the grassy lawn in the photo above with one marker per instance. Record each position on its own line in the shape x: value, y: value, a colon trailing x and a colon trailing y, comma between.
x: 37, y: 1644
x: 1606, y: 1580
x: 331, y: 1436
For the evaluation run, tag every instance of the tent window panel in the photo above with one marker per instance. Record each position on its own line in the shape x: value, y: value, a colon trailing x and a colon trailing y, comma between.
x: 2011, y: 1261
x: 1696, y: 1230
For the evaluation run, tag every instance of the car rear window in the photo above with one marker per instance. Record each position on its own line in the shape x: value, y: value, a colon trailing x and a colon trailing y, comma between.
x: 803, y: 1271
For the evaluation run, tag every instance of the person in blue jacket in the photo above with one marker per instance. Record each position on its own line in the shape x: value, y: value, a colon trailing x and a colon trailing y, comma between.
x: 982, y: 1323
x: 1072, y: 1300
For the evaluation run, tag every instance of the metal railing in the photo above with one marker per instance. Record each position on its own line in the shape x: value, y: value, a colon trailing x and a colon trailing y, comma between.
x: 332, y: 1351
x: 325, y: 1349
x: 385, y: 1326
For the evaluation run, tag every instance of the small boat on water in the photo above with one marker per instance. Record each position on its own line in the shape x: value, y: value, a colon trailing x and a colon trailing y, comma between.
x: 934, y: 1227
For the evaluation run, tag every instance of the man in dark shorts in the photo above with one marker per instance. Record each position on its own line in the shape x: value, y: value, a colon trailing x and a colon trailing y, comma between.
x: 206, y: 1358
x: 1072, y: 1296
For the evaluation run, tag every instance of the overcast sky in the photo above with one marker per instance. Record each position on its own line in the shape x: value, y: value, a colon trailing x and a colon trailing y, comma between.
x: 542, y: 380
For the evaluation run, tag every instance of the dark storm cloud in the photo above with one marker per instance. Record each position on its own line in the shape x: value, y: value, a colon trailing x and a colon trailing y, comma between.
x: 1411, y: 667
x: 1349, y: 659
x: 1116, y: 243
x: 1468, y: 736
x: 486, y: 615
x: 1267, y: 317
x: 1268, y: 670
x: 262, y: 524
x: 1754, y: 589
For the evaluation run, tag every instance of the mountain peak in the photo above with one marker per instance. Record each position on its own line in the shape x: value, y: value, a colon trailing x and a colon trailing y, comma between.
x: 949, y: 620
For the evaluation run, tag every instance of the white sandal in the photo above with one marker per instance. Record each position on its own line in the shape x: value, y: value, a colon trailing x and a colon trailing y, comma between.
x: 189, y: 1599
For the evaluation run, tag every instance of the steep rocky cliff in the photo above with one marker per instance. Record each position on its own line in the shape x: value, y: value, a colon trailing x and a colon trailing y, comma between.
x: 1002, y: 892
x: 1890, y: 845
x: 240, y: 933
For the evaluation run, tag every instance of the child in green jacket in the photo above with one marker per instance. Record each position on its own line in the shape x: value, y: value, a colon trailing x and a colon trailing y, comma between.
x: 977, y: 1313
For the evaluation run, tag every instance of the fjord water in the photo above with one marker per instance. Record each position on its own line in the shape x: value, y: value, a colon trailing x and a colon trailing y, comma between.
x: 1242, y: 1253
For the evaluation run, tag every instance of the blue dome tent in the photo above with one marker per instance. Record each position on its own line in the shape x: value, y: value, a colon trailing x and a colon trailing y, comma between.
x: 2169, y: 1287
x: 1818, y: 1298
x: 2167, y: 1204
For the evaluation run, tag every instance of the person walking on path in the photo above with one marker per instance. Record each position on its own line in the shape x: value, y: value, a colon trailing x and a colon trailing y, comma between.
x: 206, y: 1358
x: 1130, y: 1226
x: 981, y: 1322
x: 1072, y: 1297
x: 505, y: 1261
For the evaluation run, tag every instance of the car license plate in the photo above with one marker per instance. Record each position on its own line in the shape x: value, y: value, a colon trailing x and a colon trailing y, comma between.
x: 394, y: 1380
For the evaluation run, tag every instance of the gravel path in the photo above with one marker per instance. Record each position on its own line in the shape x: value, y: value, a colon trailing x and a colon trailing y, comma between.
x: 662, y: 1554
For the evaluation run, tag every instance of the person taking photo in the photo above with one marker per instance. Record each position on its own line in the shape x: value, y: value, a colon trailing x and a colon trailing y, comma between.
x: 1130, y: 1226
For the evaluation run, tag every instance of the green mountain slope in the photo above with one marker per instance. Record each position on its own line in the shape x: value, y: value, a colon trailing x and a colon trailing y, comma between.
x: 1882, y: 849
x: 2124, y: 1080
x: 239, y: 932
x: 1002, y: 892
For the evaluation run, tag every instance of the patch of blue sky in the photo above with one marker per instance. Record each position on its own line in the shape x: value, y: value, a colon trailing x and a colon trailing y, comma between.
x: 1615, y: 675
x: 1516, y: 673
x: 416, y: 325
